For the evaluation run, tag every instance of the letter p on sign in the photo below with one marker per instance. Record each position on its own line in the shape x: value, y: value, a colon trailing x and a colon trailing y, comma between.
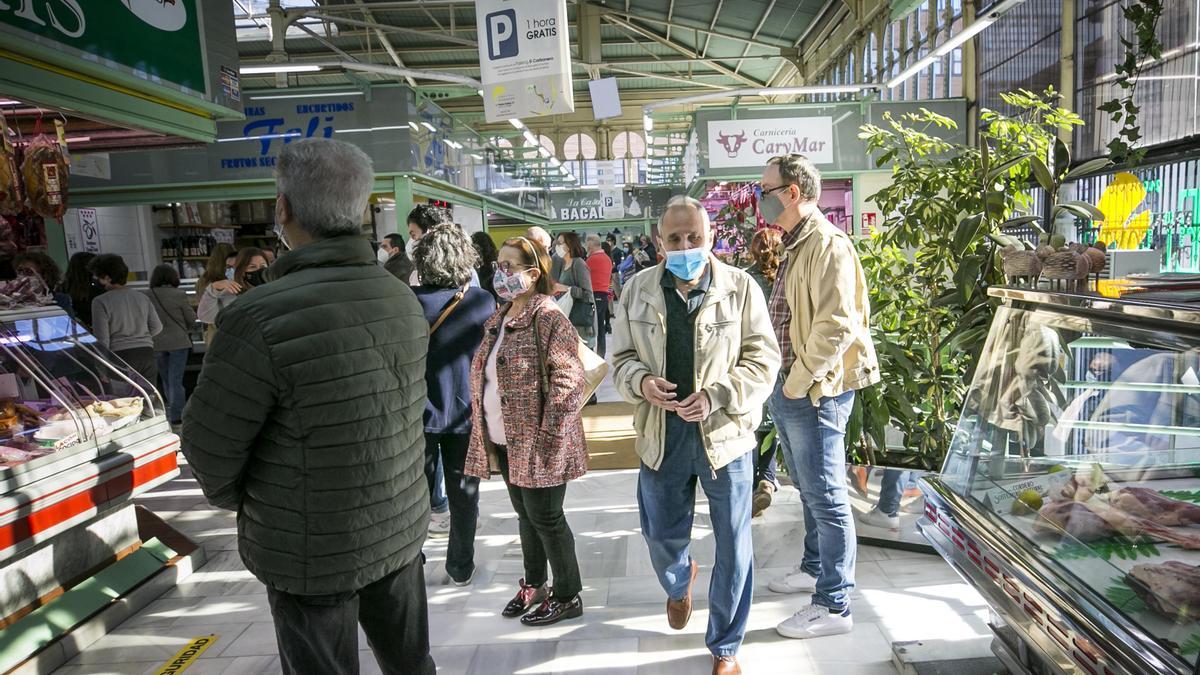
x: 502, y: 34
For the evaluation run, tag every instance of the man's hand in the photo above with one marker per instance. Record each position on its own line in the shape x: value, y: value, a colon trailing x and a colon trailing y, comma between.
x: 659, y: 393
x: 695, y: 408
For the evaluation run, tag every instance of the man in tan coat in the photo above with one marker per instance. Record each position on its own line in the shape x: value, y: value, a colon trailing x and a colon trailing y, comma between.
x: 694, y: 351
x: 820, y: 313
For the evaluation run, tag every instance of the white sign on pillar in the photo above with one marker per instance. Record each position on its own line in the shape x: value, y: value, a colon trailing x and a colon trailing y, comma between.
x: 89, y: 230
x: 524, y: 58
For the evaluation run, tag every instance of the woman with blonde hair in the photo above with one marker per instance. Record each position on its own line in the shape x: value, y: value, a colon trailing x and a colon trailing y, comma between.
x: 526, y: 395
x: 765, y: 253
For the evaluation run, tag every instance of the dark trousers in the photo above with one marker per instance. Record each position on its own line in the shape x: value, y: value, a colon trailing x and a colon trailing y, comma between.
x: 545, y: 535
x: 602, y: 322
x: 317, y: 634
x: 463, y: 494
x: 143, y: 362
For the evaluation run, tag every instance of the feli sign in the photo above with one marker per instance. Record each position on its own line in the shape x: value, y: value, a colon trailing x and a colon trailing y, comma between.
x: 751, y: 142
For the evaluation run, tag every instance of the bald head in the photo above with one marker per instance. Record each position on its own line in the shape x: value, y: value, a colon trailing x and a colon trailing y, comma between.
x: 539, y: 236
x: 684, y: 225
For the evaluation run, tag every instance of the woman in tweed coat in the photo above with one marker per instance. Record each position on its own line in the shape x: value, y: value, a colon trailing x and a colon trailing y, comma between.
x: 526, y: 394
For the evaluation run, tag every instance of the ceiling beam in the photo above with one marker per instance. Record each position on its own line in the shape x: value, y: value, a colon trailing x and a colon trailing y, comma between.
x: 388, y: 28
x: 647, y: 33
x: 668, y: 78
x: 725, y: 32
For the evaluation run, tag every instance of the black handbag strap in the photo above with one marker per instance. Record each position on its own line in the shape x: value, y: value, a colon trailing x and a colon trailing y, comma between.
x: 178, y: 322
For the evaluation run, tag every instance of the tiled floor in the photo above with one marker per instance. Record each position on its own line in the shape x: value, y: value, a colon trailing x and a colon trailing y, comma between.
x: 901, y: 596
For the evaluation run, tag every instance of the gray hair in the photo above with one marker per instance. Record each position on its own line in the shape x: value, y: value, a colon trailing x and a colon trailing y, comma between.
x: 445, y: 257
x: 594, y: 240
x: 540, y: 236
x: 799, y: 170
x: 327, y: 183
x: 684, y: 203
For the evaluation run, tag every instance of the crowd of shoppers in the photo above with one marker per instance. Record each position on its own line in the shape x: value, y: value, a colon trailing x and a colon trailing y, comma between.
x: 328, y: 405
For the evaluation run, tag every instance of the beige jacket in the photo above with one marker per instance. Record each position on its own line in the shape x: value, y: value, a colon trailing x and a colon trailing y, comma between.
x: 737, y: 359
x: 827, y: 292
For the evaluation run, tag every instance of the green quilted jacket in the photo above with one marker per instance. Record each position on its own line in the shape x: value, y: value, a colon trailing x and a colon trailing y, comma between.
x: 307, y: 421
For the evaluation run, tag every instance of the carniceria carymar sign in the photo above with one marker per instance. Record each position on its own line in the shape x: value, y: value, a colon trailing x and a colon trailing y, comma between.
x: 524, y: 58
x: 751, y: 142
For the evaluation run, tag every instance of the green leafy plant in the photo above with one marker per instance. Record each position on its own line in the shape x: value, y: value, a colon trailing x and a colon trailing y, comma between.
x: 1123, y: 598
x: 1182, y: 495
x: 1141, y: 47
x: 931, y: 261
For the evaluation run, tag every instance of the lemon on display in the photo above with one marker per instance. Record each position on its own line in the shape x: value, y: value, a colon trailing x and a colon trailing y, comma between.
x: 1055, y: 468
x: 1027, y: 502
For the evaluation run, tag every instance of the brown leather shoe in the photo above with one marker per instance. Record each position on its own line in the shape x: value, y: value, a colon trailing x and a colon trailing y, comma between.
x: 680, y: 611
x: 762, y: 498
x: 726, y: 665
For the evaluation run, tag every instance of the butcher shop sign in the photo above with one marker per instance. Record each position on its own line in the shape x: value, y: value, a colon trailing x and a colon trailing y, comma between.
x: 751, y: 142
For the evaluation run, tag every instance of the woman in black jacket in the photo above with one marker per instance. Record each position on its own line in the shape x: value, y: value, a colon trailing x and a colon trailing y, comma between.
x: 456, y: 312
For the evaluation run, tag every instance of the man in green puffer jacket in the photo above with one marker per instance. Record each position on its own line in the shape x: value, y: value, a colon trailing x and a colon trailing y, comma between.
x: 307, y: 421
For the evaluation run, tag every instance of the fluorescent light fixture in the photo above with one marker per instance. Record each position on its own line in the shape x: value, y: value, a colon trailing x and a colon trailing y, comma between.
x: 479, y: 91
x: 9, y: 101
x: 361, y: 130
x: 647, y: 123
x: 454, y: 144
x: 478, y: 158
x: 967, y: 33
x: 290, y: 134
x: 530, y: 138
x: 818, y: 89
x: 323, y: 94
x: 279, y: 68
x: 429, y: 126
x: 413, y: 126
x: 978, y: 26
x: 78, y: 139
x: 554, y: 162
x: 517, y: 124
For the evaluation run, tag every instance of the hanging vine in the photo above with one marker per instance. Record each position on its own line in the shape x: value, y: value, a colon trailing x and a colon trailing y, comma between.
x: 1142, y: 47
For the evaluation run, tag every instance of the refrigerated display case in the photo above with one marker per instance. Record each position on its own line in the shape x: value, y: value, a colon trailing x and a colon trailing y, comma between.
x: 81, y: 434
x: 1071, y: 495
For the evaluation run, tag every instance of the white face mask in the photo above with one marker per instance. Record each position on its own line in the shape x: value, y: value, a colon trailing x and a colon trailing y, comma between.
x: 561, y: 251
x: 381, y: 255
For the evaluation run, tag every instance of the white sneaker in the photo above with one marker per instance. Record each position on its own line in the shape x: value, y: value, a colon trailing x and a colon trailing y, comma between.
x: 439, y: 524
x: 451, y: 581
x: 816, y: 621
x: 796, y: 581
x: 877, y: 518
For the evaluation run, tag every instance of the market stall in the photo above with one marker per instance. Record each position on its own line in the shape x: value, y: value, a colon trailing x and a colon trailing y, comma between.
x: 80, y: 436
x: 1069, y: 498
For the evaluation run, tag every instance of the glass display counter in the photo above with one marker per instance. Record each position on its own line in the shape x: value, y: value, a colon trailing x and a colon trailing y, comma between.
x: 81, y: 434
x: 1071, y: 495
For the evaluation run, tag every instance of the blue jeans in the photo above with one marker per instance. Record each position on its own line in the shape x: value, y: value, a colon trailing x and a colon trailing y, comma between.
x: 889, y: 492
x: 438, y: 501
x: 813, y: 440
x: 667, y: 500
x: 170, y: 370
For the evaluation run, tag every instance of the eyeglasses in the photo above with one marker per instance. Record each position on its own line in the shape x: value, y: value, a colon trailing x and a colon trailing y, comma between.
x: 508, y: 267
x: 760, y: 192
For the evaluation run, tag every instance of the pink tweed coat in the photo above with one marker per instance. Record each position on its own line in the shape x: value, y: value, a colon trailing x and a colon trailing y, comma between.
x: 545, y: 445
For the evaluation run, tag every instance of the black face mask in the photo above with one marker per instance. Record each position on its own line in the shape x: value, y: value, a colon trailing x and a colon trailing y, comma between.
x: 256, y: 278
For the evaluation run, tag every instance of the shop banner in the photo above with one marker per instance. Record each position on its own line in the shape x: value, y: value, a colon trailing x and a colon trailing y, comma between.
x: 156, y: 40
x: 608, y: 204
x: 751, y: 142
x: 524, y: 58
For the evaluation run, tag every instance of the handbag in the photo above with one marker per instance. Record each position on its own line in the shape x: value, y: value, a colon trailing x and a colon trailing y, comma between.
x: 594, y: 366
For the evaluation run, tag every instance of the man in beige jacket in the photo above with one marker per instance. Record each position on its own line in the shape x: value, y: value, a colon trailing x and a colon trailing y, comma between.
x: 820, y: 313
x: 694, y: 350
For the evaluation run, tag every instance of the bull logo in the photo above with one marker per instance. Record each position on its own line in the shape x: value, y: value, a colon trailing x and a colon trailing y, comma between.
x: 731, y: 143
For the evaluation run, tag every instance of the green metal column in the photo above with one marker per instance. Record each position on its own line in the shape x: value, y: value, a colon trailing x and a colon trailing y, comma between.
x: 403, y: 193
x: 56, y: 242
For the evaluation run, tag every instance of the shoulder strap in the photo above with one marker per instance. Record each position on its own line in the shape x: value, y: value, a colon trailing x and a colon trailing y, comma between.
x: 175, y: 319
x: 446, y: 312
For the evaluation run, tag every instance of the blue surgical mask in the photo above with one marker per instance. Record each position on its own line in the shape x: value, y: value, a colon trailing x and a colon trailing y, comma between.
x: 687, y: 265
x: 229, y: 273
